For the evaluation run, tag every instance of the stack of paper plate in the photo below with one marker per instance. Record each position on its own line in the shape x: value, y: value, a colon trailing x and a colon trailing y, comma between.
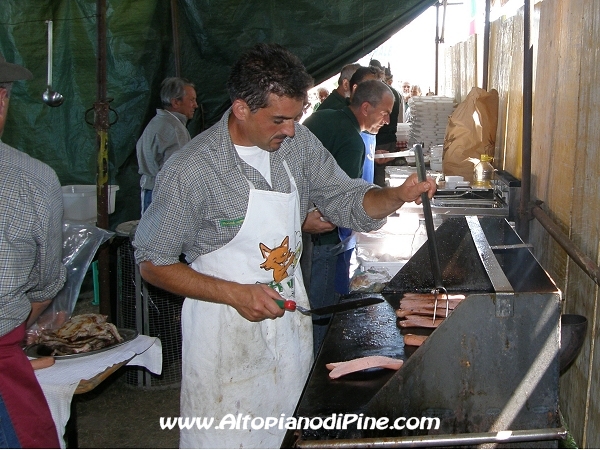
x: 403, y: 134
x: 429, y: 119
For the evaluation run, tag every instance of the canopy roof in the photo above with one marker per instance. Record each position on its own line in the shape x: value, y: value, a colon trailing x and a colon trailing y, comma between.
x: 325, y: 34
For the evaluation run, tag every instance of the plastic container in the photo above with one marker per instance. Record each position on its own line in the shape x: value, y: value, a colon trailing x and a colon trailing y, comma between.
x: 436, y: 153
x: 483, y: 172
x: 392, y: 267
x: 452, y: 181
x: 80, y: 202
x: 435, y: 165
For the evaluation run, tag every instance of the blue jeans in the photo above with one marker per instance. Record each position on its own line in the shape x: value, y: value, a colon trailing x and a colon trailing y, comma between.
x: 146, y: 199
x: 322, y: 289
x: 8, y: 436
x: 342, y: 276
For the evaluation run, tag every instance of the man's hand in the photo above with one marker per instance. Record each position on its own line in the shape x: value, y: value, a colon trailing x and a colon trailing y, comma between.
x: 37, y: 308
x: 315, y: 223
x: 42, y: 363
x: 411, y: 189
x: 256, y: 302
x: 380, y: 203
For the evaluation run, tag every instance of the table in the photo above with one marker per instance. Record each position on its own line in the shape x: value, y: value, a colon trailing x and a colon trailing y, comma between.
x: 82, y: 374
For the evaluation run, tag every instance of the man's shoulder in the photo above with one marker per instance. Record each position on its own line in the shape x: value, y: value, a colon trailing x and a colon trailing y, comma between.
x: 160, y: 119
x: 333, y: 126
x: 163, y: 120
x: 17, y: 161
x: 323, y: 116
x: 333, y: 101
x: 212, y: 146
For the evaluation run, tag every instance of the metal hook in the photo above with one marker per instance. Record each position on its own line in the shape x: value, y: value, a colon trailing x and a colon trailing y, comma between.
x: 435, y: 293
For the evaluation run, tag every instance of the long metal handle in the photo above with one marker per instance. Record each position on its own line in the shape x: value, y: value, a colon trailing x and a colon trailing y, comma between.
x: 444, y: 440
x: 431, y: 240
x: 49, y: 22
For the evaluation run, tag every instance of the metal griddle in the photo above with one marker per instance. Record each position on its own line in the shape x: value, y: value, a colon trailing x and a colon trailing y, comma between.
x: 492, y: 365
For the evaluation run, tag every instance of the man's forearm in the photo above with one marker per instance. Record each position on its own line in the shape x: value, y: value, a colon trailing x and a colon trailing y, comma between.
x: 254, y: 301
x: 181, y: 279
x: 37, y: 308
x: 380, y: 203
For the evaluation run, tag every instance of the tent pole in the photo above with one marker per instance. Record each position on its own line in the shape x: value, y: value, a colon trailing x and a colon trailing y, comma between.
x: 175, y: 28
x: 524, y: 207
x: 437, y: 45
x: 101, y: 124
x: 486, y: 45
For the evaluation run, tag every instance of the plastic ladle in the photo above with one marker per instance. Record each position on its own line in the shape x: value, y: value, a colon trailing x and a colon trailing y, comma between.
x: 50, y: 97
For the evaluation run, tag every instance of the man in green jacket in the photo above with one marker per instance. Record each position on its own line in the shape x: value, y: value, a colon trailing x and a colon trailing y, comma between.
x: 340, y: 133
x: 339, y: 97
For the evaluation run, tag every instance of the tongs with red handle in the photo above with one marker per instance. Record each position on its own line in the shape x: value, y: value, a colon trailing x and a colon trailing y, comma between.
x: 290, y: 305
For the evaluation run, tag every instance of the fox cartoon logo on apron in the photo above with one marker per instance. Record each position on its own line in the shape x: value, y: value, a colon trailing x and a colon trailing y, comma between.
x: 282, y: 261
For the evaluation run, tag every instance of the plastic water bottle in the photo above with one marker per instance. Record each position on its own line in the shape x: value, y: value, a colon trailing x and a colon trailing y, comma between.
x: 483, y: 172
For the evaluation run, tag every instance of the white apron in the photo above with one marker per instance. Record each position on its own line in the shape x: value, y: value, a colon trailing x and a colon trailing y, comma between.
x: 236, y: 368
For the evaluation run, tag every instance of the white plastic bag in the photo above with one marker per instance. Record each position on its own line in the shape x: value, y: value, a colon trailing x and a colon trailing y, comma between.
x: 80, y: 243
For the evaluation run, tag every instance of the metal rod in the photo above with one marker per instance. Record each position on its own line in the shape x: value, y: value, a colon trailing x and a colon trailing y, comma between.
x: 437, y: 45
x: 444, y: 440
x: 431, y: 239
x: 439, y: 38
x: 175, y: 28
x: 524, y: 211
x: 581, y: 259
x: 139, y: 315
x: 445, y: 4
x: 486, y: 45
x: 101, y: 124
x: 50, y: 49
x: 511, y: 246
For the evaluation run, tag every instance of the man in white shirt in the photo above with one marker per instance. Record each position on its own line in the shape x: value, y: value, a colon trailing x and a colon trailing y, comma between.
x: 165, y: 133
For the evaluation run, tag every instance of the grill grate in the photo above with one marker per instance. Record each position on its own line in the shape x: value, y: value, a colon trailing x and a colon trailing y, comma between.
x: 151, y: 311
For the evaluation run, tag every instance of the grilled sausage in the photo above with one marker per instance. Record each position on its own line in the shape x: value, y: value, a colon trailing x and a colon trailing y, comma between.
x: 339, y: 369
x: 414, y: 339
x: 419, y: 322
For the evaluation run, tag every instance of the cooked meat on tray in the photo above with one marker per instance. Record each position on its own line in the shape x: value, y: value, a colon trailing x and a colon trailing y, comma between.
x: 81, y: 334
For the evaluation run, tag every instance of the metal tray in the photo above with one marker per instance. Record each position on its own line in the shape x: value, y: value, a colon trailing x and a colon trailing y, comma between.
x: 40, y: 350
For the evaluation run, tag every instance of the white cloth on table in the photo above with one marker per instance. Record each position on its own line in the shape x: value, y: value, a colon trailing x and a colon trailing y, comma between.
x: 60, y: 381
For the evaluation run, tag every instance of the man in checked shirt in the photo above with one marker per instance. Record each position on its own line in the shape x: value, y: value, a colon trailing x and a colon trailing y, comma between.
x: 233, y: 201
x: 31, y: 274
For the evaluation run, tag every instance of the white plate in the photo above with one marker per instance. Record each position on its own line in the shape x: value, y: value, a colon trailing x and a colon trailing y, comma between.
x: 394, y: 154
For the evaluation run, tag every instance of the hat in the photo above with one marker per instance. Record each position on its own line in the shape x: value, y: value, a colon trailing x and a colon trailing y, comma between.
x: 12, y: 72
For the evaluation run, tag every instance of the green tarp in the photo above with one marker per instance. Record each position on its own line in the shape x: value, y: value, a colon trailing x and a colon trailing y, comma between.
x: 325, y: 34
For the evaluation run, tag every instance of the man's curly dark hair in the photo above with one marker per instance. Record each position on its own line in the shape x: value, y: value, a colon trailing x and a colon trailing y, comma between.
x: 267, y: 69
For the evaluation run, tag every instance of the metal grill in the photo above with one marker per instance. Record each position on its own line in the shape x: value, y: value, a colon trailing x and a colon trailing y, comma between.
x: 151, y: 311
x: 492, y: 365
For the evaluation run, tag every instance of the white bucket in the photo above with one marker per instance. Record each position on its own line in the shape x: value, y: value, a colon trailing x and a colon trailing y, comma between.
x: 80, y: 202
